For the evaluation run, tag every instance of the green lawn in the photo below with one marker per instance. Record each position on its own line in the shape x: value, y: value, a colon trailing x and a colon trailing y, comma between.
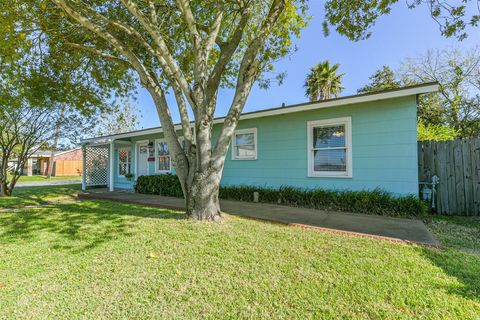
x: 459, y: 233
x: 40, y: 195
x: 100, y: 259
x: 44, y: 178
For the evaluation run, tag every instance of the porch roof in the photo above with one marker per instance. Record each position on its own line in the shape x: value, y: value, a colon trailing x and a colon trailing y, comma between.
x: 336, y: 102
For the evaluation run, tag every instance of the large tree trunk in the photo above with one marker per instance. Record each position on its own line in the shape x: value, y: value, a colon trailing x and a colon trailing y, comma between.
x: 201, y: 196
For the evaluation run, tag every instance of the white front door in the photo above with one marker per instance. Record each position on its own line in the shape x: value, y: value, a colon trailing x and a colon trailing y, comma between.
x: 142, y: 163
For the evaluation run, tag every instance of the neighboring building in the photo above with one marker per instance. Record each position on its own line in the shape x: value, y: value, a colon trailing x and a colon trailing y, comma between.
x: 359, y: 142
x: 65, y: 163
x: 37, y: 164
x: 68, y: 163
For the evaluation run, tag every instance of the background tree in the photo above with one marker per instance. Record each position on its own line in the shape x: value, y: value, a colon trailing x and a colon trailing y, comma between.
x: 23, y: 130
x: 191, y: 48
x: 323, y: 82
x: 56, y: 81
x: 435, y: 132
x: 71, y: 127
x: 457, y: 105
x: 455, y: 110
x: 123, y: 117
x: 383, y: 79
x: 56, y: 138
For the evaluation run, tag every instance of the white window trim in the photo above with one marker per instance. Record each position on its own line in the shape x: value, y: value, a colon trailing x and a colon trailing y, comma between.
x: 129, y: 151
x: 156, y: 157
x: 243, y: 131
x: 347, y: 122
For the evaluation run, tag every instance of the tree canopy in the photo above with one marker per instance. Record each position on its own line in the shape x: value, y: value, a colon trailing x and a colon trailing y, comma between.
x: 55, y: 75
x: 43, y: 74
x: 383, y: 79
x: 435, y: 132
x: 354, y: 19
x: 455, y: 110
x: 124, y: 117
x: 458, y: 73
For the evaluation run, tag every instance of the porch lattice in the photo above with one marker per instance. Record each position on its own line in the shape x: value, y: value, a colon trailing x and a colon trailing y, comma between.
x: 96, y: 165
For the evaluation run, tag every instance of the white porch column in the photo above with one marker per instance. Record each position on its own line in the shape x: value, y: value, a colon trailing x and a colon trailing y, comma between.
x: 111, y: 167
x: 84, y: 167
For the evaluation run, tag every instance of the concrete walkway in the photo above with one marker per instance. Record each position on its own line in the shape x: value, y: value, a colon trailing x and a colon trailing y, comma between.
x: 46, y: 183
x: 396, y: 229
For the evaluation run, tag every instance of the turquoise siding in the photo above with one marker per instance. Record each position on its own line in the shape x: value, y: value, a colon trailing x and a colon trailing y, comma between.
x: 121, y: 182
x: 384, y: 149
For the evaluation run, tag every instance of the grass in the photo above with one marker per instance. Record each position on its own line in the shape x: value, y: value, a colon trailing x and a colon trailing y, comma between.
x: 40, y: 195
x: 44, y: 178
x: 459, y: 233
x: 98, y: 259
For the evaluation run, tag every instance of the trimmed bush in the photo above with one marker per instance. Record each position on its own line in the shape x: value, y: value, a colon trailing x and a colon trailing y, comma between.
x: 165, y: 185
x: 377, y: 202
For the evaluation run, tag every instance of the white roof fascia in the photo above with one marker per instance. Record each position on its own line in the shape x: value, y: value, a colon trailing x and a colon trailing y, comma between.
x: 285, y: 110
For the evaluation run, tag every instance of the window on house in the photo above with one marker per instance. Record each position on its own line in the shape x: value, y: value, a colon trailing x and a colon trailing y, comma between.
x: 329, y: 148
x: 124, y: 162
x: 164, y: 161
x: 244, y: 146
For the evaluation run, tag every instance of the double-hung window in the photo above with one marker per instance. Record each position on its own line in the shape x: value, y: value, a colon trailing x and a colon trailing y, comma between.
x: 330, y: 148
x: 163, y: 161
x: 124, y: 161
x: 244, y: 144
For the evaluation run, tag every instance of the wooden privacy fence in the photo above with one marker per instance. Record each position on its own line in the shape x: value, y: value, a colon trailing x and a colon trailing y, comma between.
x: 457, y: 164
x: 67, y: 168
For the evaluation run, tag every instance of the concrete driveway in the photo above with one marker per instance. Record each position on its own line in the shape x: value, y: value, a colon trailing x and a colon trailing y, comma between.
x: 412, y: 230
x: 397, y: 229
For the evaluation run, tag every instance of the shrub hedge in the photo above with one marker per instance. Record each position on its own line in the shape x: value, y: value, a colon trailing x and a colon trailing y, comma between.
x: 165, y: 185
x: 377, y: 202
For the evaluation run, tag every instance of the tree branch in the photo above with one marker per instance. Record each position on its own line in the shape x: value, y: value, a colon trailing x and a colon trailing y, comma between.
x: 184, y: 6
x: 184, y: 118
x: 100, y: 53
x: 147, y: 77
x: 226, y: 53
x: 249, y: 69
x: 171, y: 67
x: 212, y: 36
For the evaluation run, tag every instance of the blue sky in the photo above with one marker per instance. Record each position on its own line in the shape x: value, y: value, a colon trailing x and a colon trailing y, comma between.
x: 404, y: 33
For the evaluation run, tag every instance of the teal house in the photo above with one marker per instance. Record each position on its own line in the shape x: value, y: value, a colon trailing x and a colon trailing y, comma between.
x: 359, y: 142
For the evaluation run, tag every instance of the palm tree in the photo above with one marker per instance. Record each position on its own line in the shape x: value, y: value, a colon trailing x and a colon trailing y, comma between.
x: 323, y: 82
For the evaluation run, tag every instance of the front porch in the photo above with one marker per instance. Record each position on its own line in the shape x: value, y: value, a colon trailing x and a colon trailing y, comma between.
x: 116, y: 164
